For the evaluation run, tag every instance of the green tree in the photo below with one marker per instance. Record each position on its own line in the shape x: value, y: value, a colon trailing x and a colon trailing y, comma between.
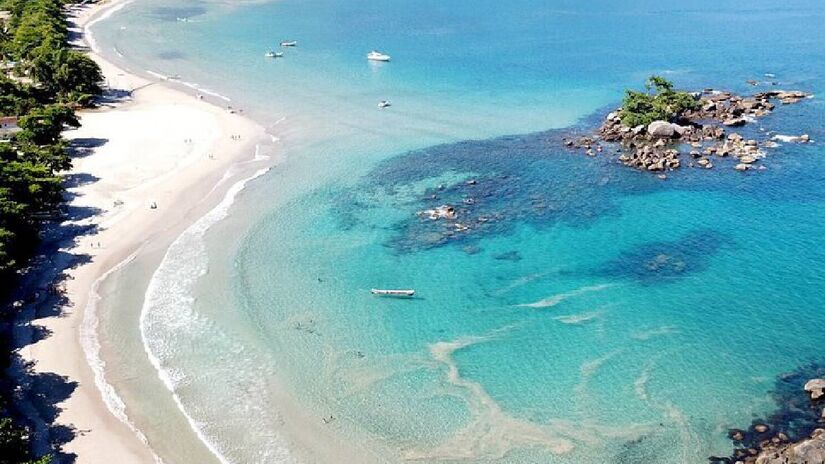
x: 14, y: 447
x: 15, y: 98
x: 42, y: 126
x: 77, y: 77
x: 660, y: 102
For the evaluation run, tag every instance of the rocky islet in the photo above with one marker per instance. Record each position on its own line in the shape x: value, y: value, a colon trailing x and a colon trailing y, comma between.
x: 695, y: 138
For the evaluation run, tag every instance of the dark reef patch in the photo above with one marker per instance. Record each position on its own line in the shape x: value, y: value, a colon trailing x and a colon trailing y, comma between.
x: 509, y: 256
x: 509, y: 180
x: 534, y: 179
x: 667, y: 260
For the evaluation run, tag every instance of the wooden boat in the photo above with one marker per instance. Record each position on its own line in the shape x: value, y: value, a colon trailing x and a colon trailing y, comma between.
x: 394, y: 293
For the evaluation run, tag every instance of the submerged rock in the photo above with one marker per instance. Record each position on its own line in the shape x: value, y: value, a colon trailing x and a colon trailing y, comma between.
x: 509, y: 256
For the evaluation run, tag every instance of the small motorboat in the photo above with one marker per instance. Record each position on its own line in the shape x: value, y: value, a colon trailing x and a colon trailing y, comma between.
x: 393, y: 293
x: 375, y: 55
x: 384, y: 103
x: 272, y: 54
x: 289, y: 43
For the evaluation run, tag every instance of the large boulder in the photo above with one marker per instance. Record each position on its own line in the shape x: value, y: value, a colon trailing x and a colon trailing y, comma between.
x: 816, y: 388
x: 664, y: 129
x: 735, y: 122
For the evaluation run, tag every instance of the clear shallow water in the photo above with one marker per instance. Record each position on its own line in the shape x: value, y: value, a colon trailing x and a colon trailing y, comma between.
x: 601, y: 315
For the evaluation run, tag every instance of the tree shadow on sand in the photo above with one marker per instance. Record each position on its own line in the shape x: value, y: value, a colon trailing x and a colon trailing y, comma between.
x: 37, y: 395
x: 85, y: 146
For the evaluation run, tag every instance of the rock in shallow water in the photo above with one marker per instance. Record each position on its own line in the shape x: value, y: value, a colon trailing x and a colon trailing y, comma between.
x: 810, y: 451
x: 663, y: 129
x: 816, y: 388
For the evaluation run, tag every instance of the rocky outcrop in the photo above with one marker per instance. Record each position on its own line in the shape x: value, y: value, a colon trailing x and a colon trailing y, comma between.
x: 815, y: 388
x: 704, y: 131
x: 441, y: 212
x: 763, y: 444
x: 804, y: 138
x: 809, y: 451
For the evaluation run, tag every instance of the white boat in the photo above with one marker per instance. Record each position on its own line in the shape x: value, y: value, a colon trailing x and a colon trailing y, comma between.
x: 395, y: 293
x: 375, y: 55
x: 384, y: 103
x: 289, y: 43
x: 271, y: 54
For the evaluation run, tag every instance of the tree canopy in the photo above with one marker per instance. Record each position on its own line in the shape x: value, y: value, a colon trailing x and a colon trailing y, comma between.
x: 42, y: 80
x: 659, y: 102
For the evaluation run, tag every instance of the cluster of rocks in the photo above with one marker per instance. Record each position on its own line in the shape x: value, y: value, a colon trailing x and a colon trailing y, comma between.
x: 808, y: 451
x: 702, y: 133
x: 769, y: 447
x: 441, y: 212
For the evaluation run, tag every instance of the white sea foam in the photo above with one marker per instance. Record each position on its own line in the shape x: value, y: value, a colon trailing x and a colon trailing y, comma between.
x: 670, y: 412
x: 205, y: 90
x: 169, y: 320
x: 156, y: 74
x: 491, y: 432
x: 579, y: 319
x: 90, y: 342
x: 520, y: 282
x: 191, y: 85
x: 556, y: 299
x: 87, y: 31
x: 588, y: 370
x: 655, y: 332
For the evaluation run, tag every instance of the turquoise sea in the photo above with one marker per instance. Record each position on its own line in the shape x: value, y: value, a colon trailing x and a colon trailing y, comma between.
x: 593, y: 315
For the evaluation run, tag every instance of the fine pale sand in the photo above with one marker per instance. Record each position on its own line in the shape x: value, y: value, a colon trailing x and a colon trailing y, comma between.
x: 158, y: 145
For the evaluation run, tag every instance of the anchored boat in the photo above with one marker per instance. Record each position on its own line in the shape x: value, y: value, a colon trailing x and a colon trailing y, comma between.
x: 289, y: 43
x: 394, y: 293
x: 273, y: 54
x: 375, y: 55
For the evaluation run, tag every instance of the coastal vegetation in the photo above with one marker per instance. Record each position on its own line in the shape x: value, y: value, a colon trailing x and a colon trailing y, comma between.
x: 43, y: 80
x: 660, y: 103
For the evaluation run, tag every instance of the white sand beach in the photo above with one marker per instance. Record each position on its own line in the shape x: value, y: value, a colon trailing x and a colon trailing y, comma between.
x: 158, y: 146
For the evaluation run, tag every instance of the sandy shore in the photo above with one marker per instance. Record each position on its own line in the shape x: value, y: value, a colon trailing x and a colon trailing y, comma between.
x: 157, y: 145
